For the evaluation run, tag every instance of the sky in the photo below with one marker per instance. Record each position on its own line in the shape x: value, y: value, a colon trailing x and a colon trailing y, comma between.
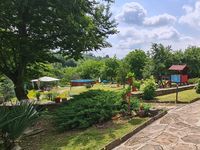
x: 143, y: 22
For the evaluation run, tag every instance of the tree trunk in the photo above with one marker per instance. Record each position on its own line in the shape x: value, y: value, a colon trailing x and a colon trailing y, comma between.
x: 19, y: 89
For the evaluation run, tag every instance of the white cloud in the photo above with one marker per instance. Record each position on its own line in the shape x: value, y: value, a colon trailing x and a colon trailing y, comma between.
x: 192, y: 15
x: 160, y: 20
x: 132, y: 13
x: 135, y: 14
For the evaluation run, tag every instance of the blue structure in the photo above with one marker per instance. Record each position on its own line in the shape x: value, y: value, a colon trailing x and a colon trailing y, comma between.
x: 82, y: 82
x: 176, y: 78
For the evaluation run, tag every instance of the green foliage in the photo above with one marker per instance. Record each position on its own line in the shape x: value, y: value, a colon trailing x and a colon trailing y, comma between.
x: 135, y: 104
x: 193, y: 80
x: 31, y: 33
x: 162, y: 59
x: 198, y: 87
x: 122, y: 72
x: 130, y: 75
x: 136, y: 59
x: 88, y: 86
x: 148, y: 69
x: 192, y: 59
x: 14, y: 121
x: 109, y: 69
x: 149, y: 88
x: 90, y: 69
x: 137, y: 84
x: 86, y: 109
x: 38, y: 94
x: 6, y: 89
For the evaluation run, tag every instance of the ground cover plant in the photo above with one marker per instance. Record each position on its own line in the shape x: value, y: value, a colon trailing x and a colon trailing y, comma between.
x: 86, y: 109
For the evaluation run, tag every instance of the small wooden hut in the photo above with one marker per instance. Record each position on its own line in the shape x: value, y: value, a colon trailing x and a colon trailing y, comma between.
x: 179, y: 74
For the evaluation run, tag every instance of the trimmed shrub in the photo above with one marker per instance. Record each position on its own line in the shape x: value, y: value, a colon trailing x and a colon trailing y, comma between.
x: 86, y: 109
x: 198, y: 87
x: 149, y: 88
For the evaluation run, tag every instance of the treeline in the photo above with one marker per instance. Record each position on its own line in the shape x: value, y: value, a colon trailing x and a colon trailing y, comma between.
x: 154, y: 62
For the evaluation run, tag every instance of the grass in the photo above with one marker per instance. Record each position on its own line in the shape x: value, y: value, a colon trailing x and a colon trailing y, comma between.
x: 184, y: 96
x: 67, y: 92
x: 92, y: 138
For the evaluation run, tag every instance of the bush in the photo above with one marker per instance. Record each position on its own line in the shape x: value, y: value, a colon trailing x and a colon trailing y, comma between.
x: 193, y: 80
x: 136, y: 84
x: 198, y: 87
x: 149, y: 88
x: 86, y: 109
x: 13, y: 122
x: 88, y: 86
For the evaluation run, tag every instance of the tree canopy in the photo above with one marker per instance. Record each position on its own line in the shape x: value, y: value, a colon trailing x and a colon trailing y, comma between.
x: 32, y: 31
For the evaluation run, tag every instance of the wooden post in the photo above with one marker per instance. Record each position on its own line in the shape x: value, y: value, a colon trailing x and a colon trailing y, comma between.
x: 129, y: 105
x: 176, y: 93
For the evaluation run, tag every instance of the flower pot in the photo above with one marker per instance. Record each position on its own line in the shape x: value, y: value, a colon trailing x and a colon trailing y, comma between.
x: 134, y: 89
x: 129, y: 94
x: 58, y: 99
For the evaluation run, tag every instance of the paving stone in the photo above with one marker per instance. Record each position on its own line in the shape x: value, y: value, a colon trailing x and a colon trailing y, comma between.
x: 151, y: 147
x: 192, y: 139
x: 182, y: 146
x: 180, y: 125
x: 166, y: 138
x: 136, y: 140
x: 178, y: 130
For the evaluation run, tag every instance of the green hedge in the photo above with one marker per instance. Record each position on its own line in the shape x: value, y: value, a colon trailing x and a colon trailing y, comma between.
x: 86, y: 109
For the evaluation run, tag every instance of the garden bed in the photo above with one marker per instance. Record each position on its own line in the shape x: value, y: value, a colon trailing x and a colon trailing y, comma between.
x: 91, y: 138
x: 111, y: 134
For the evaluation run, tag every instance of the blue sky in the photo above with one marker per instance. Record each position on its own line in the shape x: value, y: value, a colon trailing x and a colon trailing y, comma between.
x: 143, y: 22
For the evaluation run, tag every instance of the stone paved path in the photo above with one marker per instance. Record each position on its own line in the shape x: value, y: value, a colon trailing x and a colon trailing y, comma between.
x: 178, y: 130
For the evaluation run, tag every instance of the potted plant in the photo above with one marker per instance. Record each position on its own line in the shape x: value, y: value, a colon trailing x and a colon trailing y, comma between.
x: 143, y: 110
x: 130, y: 77
x: 58, y: 99
x: 136, y: 86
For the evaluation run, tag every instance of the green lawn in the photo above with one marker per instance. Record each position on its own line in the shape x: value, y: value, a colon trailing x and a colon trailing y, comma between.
x: 90, y: 139
x: 68, y: 92
x: 184, y: 96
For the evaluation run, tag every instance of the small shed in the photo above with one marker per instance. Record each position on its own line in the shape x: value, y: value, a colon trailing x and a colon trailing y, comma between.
x: 179, y: 74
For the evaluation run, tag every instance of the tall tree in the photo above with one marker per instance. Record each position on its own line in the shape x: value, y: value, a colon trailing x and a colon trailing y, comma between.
x: 109, y: 70
x: 162, y: 59
x: 136, y: 59
x: 192, y: 59
x: 32, y: 31
x: 122, y: 72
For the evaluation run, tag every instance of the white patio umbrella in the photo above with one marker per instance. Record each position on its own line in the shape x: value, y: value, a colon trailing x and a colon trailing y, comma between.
x: 43, y: 79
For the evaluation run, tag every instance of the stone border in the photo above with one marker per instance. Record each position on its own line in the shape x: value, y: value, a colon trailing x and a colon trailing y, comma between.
x: 170, y: 102
x: 121, y: 140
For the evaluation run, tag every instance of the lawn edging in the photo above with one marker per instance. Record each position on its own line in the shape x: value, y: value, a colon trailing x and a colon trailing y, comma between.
x: 171, y: 102
x: 121, y: 140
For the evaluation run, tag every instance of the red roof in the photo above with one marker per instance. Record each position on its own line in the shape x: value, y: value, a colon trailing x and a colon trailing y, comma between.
x: 178, y: 67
